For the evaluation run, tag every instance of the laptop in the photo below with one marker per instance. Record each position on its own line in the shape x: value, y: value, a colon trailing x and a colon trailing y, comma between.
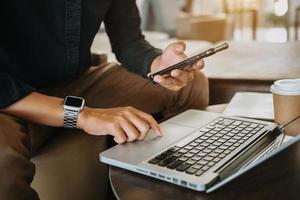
x: 199, y: 150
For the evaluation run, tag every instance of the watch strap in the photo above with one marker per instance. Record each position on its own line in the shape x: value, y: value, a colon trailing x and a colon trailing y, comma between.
x: 70, y: 118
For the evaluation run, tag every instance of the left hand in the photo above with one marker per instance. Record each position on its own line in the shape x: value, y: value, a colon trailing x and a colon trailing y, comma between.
x: 178, y: 79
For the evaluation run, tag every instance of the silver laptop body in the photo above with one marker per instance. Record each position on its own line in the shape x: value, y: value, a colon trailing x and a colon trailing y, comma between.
x: 181, y: 131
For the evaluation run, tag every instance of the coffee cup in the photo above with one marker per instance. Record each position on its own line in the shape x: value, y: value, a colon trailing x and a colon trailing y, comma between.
x: 286, y: 98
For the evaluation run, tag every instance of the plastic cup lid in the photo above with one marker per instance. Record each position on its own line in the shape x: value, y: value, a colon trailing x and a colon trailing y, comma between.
x: 286, y: 87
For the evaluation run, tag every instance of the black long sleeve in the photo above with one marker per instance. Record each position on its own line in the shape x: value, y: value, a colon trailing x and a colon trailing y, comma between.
x: 12, y: 90
x: 122, y: 23
x: 47, y: 43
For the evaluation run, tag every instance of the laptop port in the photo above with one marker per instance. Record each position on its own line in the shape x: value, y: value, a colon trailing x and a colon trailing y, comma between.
x: 161, y: 176
x: 183, y: 183
x: 192, y: 185
x: 175, y: 180
x: 153, y: 174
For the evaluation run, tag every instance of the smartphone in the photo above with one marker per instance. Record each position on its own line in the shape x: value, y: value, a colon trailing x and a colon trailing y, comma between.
x: 184, y: 64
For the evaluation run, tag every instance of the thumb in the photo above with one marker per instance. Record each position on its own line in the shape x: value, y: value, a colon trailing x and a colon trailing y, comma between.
x: 176, y: 47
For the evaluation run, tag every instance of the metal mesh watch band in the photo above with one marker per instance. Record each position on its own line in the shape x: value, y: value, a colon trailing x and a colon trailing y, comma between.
x: 70, y: 119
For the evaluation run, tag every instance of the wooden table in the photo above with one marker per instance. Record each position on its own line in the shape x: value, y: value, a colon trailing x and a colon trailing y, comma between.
x: 277, y: 178
x: 250, y: 66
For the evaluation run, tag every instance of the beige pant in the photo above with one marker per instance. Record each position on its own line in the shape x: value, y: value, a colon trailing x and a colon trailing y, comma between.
x: 68, y: 166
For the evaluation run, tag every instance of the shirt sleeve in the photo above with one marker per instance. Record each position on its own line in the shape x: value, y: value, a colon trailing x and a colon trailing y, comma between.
x: 122, y: 23
x: 12, y: 90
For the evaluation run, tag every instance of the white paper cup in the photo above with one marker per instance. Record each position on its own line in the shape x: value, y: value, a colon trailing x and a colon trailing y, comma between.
x: 286, y: 98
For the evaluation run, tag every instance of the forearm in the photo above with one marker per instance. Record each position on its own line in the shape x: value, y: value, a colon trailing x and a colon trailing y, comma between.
x: 38, y: 108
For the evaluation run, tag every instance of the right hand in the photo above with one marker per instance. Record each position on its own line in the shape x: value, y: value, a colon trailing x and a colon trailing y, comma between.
x: 123, y: 123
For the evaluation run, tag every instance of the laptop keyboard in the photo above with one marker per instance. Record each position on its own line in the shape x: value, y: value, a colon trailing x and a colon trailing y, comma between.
x: 217, y: 140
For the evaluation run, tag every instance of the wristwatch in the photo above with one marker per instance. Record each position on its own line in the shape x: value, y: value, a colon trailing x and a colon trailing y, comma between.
x: 72, y: 107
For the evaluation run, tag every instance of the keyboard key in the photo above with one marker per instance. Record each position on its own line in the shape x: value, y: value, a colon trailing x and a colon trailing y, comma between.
x: 213, y: 154
x: 216, y: 159
x: 203, y: 137
x: 194, y: 151
x: 234, y: 131
x: 191, y: 170
x: 212, y: 147
x: 236, y: 123
x: 227, y: 151
x: 207, y: 150
x: 222, y: 155
x: 188, y: 147
x: 214, y: 138
x: 225, y: 137
x: 199, y: 140
x: 154, y: 161
x: 202, y: 154
x: 236, y: 144
x: 197, y: 166
x: 199, y: 173
x: 211, y: 163
x: 177, y: 154
x: 183, y: 167
x: 183, y: 150
x: 199, y: 147
x: 223, y: 147
x: 161, y: 156
x: 246, y: 123
x: 221, y: 140
x: 209, y: 134
x: 208, y: 158
x: 231, y: 148
x: 193, y: 144
x: 219, y: 135
x: 190, y: 162
x: 253, y: 125
x: 167, y: 161
x: 202, y: 162
x: 183, y: 158
x: 174, y: 164
x: 205, y: 144
x: 228, y: 143
x: 204, y: 168
x: 217, y: 143
x: 218, y: 151
x: 232, y: 141
x: 230, y: 134
x: 196, y: 157
x: 209, y: 141
x: 189, y: 155
x: 226, y: 122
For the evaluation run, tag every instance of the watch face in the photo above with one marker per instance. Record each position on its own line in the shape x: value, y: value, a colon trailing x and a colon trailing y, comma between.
x: 73, y: 101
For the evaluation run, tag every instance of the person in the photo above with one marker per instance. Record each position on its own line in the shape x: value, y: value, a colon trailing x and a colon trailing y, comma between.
x: 45, y: 67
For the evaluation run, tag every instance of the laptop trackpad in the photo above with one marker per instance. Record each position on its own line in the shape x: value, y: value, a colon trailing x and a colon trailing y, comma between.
x: 138, y: 151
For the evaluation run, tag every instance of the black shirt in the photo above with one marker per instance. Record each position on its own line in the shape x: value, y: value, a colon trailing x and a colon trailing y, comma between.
x: 43, y: 43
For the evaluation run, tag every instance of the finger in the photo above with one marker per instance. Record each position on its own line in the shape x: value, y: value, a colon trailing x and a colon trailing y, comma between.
x: 139, y: 123
x: 177, y: 47
x: 150, y: 120
x: 118, y: 133
x: 170, y: 83
x: 131, y: 131
x: 166, y: 81
x: 198, y: 65
x: 182, y: 76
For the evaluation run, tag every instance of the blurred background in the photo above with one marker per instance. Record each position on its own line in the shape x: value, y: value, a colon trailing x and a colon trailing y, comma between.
x: 213, y: 21
x: 263, y: 36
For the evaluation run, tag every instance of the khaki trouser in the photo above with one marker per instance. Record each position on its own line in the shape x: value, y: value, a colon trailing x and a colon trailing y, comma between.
x: 68, y: 166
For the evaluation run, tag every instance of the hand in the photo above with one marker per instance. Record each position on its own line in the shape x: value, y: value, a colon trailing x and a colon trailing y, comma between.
x: 124, y: 123
x: 178, y: 79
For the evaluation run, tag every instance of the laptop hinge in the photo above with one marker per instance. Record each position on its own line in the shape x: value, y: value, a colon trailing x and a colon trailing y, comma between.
x: 246, y: 154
